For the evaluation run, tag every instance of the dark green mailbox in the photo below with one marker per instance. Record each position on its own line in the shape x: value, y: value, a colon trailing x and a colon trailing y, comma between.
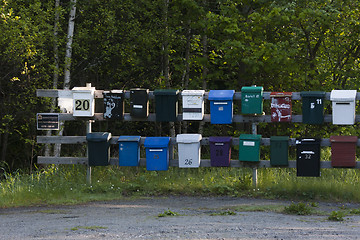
x: 252, y: 100
x: 249, y: 147
x: 166, y: 105
x: 313, y: 107
x: 139, y: 102
x: 279, y: 151
x: 98, y: 148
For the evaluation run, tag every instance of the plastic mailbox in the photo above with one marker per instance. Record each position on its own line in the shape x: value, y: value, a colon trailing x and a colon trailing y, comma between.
x: 221, y: 106
x: 220, y: 151
x: 313, y: 107
x: 129, y: 150
x: 139, y: 103
x: 189, y: 150
x: 157, y: 153
x: 343, y: 104
x: 279, y: 151
x: 308, y: 157
x: 249, y: 147
x: 252, y: 100
x: 114, y: 104
x: 281, y: 106
x: 343, y: 151
x: 193, y: 104
x: 83, y: 101
x: 166, y: 105
x: 98, y: 148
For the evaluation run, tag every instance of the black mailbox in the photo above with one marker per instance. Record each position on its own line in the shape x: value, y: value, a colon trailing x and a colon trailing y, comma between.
x: 308, y: 157
x: 139, y: 102
x: 114, y: 104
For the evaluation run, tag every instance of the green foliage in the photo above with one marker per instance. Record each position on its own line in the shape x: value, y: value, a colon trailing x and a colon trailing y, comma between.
x: 336, y: 216
x: 168, y: 213
x: 298, y: 209
x: 224, y: 213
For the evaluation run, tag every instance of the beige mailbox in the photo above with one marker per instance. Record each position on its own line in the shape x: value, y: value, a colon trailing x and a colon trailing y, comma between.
x: 343, y: 106
x: 193, y: 104
x: 83, y: 101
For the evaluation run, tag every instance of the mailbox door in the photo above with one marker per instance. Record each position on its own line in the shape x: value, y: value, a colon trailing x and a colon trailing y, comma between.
x: 279, y: 151
x: 281, y: 109
x: 308, y: 157
x: 343, y: 113
x: 220, y: 151
x: 221, y: 112
x: 139, y: 103
x: 114, y: 105
x: 193, y: 107
x: 157, y: 159
x: 313, y: 107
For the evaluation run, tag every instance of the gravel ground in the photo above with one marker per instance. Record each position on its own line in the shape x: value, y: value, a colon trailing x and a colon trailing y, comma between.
x: 199, y: 218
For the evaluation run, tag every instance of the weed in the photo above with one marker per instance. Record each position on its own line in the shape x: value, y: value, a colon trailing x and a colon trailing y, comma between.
x: 168, y: 213
x: 225, y: 213
x: 298, y: 209
x: 87, y: 228
x: 336, y: 216
x: 355, y: 211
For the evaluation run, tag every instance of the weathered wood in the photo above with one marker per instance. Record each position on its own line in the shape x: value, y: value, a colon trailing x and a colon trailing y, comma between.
x: 325, y: 142
x: 175, y: 162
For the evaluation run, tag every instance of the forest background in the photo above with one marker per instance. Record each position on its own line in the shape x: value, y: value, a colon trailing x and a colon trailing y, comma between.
x: 299, y: 45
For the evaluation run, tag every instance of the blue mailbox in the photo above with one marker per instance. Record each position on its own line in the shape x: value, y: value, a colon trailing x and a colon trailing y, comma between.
x: 157, y: 153
x: 221, y: 106
x: 129, y: 151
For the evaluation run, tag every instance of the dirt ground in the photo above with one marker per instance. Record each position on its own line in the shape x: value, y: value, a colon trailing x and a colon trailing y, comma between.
x: 198, y: 218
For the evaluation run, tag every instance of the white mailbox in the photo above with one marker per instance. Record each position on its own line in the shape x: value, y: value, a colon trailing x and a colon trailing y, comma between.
x: 343, y: 106
x: 193, y: 104
x: 83, y: 100
x: 189, y: 150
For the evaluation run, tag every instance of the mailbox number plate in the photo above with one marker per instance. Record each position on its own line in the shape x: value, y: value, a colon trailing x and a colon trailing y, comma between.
x: 82, y: 104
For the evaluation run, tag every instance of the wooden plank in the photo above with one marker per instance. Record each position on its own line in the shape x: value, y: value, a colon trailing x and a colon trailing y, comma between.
x: 325, y: 142
x: 175, y: 162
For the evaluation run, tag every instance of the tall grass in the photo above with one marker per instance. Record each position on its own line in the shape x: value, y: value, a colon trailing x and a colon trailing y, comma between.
x: 67, y: 184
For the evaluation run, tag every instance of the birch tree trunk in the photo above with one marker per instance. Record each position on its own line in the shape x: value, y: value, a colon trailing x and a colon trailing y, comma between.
x: 56, y: 67
x: 68, y: 53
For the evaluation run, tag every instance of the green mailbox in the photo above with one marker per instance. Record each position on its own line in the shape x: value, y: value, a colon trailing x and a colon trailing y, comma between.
x: 98, y: 148
x: 252, y: 100
x: 249, y: 147
x: 279, y: 151
x: 313, y: 107
x: 166, y: 105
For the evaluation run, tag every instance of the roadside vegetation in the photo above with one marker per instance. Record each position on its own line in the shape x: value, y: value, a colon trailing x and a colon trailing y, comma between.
x: 67, y: 184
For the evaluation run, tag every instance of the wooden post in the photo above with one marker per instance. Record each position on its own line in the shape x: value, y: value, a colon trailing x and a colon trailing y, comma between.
x: 254, y: 172
x: 88, y: 168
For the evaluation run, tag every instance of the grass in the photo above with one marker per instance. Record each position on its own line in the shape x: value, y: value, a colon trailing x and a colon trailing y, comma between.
x: 298, y: 209
x: 168, y: 213
x: 67, y: 184
x: 224, y: 213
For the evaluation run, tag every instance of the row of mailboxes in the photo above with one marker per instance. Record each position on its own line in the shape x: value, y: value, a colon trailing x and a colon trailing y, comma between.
x: 343, y: 149
x: 82, y: 104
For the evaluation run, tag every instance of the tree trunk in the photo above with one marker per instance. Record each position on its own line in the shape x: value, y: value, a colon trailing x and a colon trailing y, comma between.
x: 68, y: 53
x: 187, y: 67
x: 205, y: 72
x: 56, y: 68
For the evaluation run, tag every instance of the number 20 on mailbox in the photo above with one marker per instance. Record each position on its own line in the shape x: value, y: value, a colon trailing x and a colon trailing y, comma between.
x: 83, y: 98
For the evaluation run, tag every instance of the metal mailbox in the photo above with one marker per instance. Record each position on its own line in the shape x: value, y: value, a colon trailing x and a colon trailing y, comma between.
x: 189, y: 149
x: 281, y: 106
x: 343, y: 151
x: 279, y: 151
x: 252, y: 100
x: 221, y: 106
x: 166, y: 105
x: 249, y: 147
x: 98, y: 148
x: 83, y: 101
x: 313, y: 107
x: 308, y: 157
x: 157, y: 153
x: 114, y: 104
x: 220, y: 151
x: 139, y: 103
x: 193, y: 104
x: 129, y: 150
x: 343, y: 104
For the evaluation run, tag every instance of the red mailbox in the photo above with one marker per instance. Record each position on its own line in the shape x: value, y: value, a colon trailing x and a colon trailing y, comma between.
x: 281, y: 106
x: 343, y: 151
